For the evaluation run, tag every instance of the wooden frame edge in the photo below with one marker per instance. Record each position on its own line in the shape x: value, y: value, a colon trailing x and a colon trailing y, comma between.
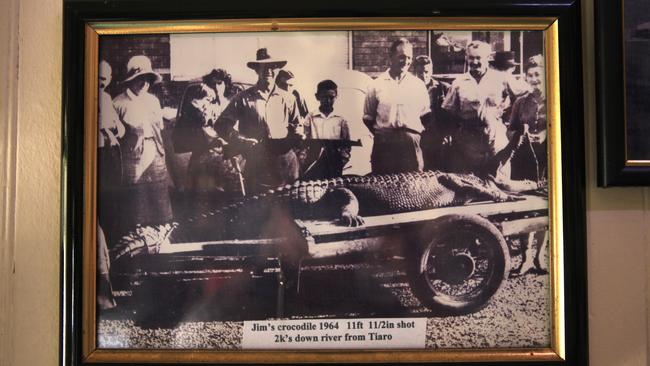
x: 91, y: 64
x: 321, y: 24
x: 555, y: 190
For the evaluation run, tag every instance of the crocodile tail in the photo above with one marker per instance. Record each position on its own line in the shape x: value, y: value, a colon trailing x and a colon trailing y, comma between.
x: 143, y: 240
x: 238, y: 219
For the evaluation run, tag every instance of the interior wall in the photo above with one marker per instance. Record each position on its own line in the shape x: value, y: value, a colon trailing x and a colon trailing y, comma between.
x: 30, y: 75
x: 30, y: 255
x: 617, y: 247
x: 8, y: 80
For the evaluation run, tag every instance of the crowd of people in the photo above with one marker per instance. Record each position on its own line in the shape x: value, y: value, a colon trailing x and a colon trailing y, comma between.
x: 487, y: 122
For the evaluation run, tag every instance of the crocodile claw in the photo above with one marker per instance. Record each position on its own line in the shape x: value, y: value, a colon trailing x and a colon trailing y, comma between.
x: 351, y: 220
x: 514, y: 197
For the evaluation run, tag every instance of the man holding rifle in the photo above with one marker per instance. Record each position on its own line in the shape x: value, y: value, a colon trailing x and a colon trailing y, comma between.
x: 263, y: 114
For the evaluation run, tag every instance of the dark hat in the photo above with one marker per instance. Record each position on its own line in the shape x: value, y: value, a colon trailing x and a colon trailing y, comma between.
x: 326, y: 85
x: 422, y: 60
x: 285, y: 74
x: 534, y: 61
x: 263, y: 58
x: 503, y: 60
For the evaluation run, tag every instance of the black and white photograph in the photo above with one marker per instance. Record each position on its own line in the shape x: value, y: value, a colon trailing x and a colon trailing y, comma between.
x: 350, y: 189
x: 636, y: 43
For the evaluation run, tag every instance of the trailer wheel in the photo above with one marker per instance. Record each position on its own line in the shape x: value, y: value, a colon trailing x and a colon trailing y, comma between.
x: 459, y: 263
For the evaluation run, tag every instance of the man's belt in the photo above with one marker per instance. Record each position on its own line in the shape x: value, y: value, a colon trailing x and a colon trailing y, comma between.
x: 410, y: 130
x: 329, y: 143
x: 400, y: 129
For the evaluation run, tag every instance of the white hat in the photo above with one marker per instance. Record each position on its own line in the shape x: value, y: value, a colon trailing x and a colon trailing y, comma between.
x: 138, y: 66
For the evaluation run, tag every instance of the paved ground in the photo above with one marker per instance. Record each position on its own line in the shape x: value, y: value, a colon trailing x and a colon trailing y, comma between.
x: 209, y: 313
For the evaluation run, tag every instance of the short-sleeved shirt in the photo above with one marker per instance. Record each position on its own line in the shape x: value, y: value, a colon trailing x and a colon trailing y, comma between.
x: 467, y: 98
x: 330, y: 127
x: 143, y: 114
x: 479, y: 107
x: 107, y: 115
x: 396, y: 104
x: 260, y: 115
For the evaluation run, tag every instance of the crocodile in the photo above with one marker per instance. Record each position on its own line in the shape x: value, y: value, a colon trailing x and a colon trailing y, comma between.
x: 346, y: 200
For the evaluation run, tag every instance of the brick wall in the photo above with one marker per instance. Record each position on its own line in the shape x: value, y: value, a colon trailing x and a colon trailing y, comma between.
x: 117, y: 50
x: 370, y: 49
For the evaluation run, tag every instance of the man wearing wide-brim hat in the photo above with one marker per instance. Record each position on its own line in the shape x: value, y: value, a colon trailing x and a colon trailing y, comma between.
x: 263, y: 113
x: 504, y: 61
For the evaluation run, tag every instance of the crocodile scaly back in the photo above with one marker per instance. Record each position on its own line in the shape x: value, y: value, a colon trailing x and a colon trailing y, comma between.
x: 271, y: 213
x: 405, y: 192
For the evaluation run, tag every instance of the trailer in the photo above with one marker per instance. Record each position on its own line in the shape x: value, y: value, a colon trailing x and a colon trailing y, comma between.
x: 455, y: 258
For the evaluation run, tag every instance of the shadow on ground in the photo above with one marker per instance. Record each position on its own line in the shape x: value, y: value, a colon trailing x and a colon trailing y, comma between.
x: 337, y: 291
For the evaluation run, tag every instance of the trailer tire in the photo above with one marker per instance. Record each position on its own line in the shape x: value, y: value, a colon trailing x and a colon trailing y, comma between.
x: 459, y: 263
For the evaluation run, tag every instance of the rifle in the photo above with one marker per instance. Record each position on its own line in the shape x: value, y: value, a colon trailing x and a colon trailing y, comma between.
x: 279, y: 146
x: 287, y: 143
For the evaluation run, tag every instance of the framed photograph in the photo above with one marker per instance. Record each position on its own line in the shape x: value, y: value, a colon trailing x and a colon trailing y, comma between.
x: 622, y: 34
x: 247, y: 184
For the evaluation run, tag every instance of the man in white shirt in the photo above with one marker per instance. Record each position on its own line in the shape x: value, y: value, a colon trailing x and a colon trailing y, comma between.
x: 395, y: 106
x: 476, y: 102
